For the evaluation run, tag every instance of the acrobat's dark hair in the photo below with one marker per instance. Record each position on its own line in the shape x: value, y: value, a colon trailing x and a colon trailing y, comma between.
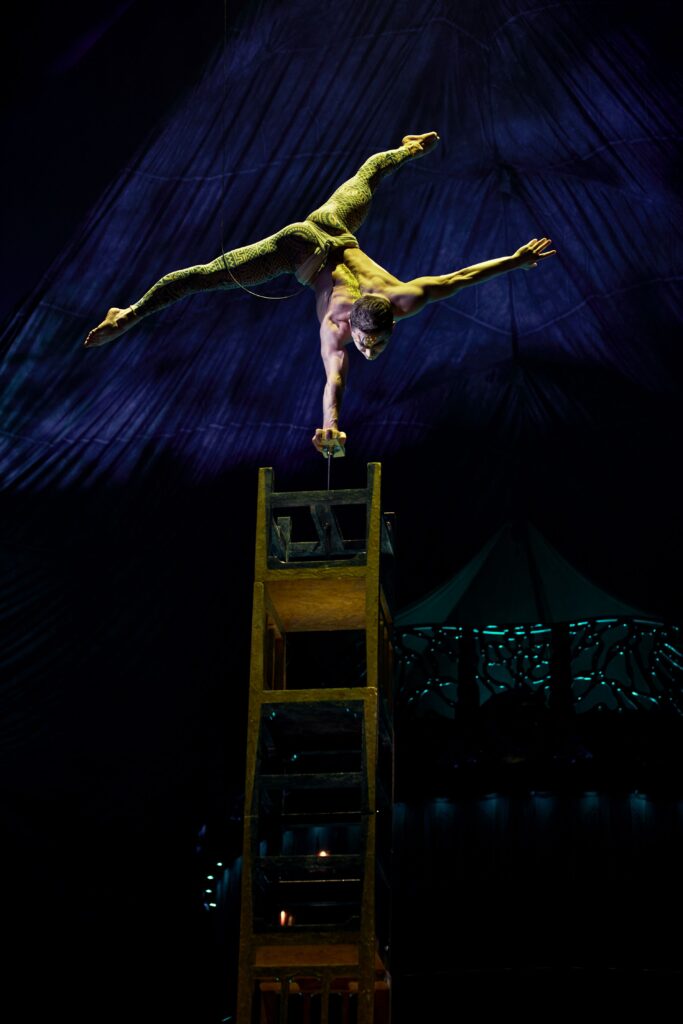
x: 372, y: 313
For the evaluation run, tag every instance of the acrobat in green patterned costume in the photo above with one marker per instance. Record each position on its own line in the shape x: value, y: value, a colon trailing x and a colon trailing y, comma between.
x: 302, y: 248
x: 358, y: 302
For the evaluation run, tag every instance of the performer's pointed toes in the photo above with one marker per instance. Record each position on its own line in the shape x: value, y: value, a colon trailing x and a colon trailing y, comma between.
x: 115, y: 323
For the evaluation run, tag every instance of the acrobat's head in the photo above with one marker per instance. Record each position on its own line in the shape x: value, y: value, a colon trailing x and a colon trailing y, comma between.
x: 372, y: 324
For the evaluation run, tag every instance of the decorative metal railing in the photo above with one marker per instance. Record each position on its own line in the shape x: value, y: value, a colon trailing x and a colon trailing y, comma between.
x: 614, y: 664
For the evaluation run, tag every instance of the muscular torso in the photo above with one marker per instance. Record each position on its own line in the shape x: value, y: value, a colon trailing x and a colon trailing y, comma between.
x: 347, y: 276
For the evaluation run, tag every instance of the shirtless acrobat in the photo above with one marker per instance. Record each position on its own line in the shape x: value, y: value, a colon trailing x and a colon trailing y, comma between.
x: 356, y: 299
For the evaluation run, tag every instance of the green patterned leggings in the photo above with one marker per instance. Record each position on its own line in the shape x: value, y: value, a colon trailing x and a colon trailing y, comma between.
x: 301, y: 248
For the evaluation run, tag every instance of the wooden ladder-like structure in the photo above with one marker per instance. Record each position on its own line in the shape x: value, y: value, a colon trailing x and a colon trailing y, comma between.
x: 315, y: 911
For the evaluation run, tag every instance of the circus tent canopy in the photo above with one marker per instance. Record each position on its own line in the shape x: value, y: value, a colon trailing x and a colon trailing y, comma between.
x: 517, y: 577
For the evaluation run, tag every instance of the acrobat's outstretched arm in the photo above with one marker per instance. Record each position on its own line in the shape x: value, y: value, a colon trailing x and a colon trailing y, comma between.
x: 329, y: 439
x: 411, y: 297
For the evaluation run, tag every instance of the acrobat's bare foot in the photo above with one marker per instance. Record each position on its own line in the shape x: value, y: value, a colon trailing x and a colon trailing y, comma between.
x: 420, y: 144
x: 115, y: 323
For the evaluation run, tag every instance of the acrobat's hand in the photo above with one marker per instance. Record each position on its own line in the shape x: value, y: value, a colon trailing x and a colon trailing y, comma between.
x: 329, y: 442
x: 420, y: 144
x: 528, y: 256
